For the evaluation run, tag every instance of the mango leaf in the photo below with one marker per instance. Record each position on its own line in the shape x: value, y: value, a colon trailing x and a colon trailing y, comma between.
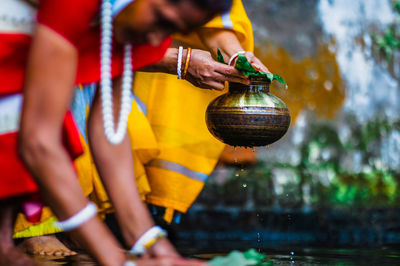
x: 220, y: 57
x: 248, y: 70
x: 279, y: 79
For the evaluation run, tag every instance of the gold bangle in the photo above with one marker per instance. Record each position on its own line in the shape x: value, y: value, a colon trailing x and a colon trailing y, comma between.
x: 188, y: 56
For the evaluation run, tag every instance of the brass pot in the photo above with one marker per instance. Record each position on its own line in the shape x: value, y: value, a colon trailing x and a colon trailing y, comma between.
x: 248, y: 115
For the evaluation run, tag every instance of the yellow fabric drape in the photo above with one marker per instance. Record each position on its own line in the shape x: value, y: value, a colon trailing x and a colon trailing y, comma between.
x: 176, y: 112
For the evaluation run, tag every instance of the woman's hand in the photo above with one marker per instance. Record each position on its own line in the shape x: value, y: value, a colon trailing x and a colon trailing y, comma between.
x: 163, y: 248
x: 255, y: 62
x: 162, y: 253
x: 204, y: 72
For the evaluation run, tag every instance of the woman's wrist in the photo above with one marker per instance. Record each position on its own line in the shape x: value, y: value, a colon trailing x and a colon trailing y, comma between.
x: 147, y: 239
x: 166, y: 65
x: 182, y: 62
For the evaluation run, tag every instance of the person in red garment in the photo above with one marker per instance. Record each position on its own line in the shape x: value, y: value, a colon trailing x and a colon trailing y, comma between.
x: 65, y: 51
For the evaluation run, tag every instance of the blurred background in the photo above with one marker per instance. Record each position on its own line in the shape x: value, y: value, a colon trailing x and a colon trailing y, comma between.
x: 334, y: 179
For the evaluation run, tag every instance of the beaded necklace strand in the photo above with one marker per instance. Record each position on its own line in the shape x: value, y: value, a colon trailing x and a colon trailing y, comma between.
x: 114, y: 137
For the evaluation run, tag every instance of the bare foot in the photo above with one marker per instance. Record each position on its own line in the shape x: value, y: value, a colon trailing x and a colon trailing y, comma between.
x: 12, y: 256
x: 46, y: 246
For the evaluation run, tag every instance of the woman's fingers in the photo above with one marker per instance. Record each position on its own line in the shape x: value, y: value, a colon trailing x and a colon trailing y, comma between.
x: 215, y: 85
x: 230, y: 74
x: 206, y: 73
x: 236, y: 79
x: 163, y: 247
x: 256, y: 63
x: 227, y: 70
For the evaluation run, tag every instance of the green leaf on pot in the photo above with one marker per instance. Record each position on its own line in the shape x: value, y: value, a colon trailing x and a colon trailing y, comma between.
x: 220, y: 57
x: 279, y: 79
x: 248, y: 70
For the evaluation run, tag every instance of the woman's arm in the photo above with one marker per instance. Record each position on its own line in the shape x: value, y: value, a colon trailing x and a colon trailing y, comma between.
x: 203, y: 72
x: 49, y: 88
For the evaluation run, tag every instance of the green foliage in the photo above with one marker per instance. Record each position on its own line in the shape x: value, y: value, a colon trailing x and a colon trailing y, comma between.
x: 331, y: 183
x: 389, y: 40
x: 372, y: 187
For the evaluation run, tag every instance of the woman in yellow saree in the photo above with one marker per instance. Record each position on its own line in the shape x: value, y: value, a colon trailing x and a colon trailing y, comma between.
x: 176, y: 109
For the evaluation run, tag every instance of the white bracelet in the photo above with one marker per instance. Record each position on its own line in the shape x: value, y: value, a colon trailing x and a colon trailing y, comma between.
x: 78, y: 219
x: 234, y: 56
x: 179, y: 64
x: 149, y: 238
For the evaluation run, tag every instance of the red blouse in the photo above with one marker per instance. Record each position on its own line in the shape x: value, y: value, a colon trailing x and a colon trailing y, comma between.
x: 77, y: 22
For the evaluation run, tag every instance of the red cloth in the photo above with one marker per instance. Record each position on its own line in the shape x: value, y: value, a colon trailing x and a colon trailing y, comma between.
x: 14, y: 50
x: 74, y: 20
x: 15, y: 179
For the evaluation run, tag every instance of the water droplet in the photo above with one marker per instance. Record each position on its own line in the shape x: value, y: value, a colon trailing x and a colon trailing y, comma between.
x: 244, y: 185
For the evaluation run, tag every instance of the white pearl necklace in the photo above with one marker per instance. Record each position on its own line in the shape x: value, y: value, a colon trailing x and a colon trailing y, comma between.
x: 114, y: 137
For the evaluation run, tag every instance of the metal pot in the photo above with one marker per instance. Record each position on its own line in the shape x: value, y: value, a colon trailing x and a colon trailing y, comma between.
x: 248, y: 115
